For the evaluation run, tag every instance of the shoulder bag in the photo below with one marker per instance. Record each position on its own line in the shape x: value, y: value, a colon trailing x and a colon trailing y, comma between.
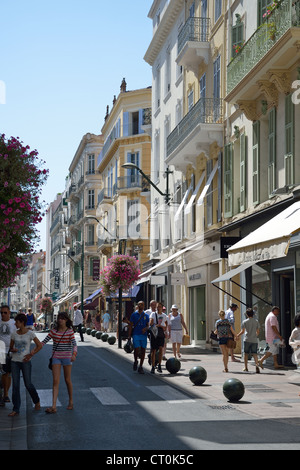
x: 50, y: 360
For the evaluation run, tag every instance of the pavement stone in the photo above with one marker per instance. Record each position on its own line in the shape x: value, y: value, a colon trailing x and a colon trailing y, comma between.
x: 268, y: 395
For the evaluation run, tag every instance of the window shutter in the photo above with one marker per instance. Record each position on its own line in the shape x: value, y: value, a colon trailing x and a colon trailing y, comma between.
x: 256, y: 162
x: 289, y: 140
x: 125, y: 124
x: 243, y: 163
x: 228, y: 180
x: 272, y: 151
x: 141, y: 111
x: 219, y: 215
x: 237, y: 35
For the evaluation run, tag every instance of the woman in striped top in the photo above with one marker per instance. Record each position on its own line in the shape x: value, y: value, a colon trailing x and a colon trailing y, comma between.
x: 64, y: 353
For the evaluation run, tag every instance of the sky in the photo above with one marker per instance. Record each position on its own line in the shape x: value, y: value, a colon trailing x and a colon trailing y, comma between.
x: 62, y: 62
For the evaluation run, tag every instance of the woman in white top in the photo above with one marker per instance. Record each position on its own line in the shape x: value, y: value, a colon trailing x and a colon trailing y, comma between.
x: 175, y: 327
x: 20, y: 348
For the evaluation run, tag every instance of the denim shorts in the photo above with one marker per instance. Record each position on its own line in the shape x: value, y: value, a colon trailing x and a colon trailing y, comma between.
x: 62, y: 361
x: 139, y: 341
x: 223, y: 340
x: 250, y: 348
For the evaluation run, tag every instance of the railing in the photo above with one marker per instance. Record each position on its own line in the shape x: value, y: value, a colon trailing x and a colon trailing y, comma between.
x: 195, y: 29
x: 205, y: 111
x: 54, y: 223
x: 280, y: 20
x: 106, y: 194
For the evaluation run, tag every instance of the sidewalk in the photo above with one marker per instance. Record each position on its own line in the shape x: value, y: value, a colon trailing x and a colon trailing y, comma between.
x: 270, y: 394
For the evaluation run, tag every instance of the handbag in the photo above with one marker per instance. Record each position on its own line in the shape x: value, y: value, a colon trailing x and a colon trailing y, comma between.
x: 153, y: 330
x: 231, y: 344
x: 51, y: 358
x: 186, y: 340
x: 213, y: 336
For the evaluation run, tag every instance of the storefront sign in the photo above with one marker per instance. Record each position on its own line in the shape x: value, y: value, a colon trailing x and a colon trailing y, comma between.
x: 96, y: 269
x: 158, y: 280
x: 56, y: 278
x: 225, y: 243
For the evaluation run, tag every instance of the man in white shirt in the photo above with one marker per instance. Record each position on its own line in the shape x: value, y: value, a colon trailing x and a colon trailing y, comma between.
x: 7, y: 327
x: 77, y: 322
x: 159, y: 319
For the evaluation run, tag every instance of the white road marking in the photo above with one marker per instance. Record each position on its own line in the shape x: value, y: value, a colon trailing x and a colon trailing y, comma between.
x: 170, y: 394
x: 109, y: 396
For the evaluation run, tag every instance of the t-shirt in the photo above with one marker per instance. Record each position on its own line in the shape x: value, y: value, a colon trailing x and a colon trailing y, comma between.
x: 223, y: 328
x: 30, y: 319
x: 250, y: 325
x: 270, y: 321
x: 229, y: 315
x: 22, y: 344
x: 141, y: 321
x: 106, y: 317
x: 6, y: 330
x: 162, y: 319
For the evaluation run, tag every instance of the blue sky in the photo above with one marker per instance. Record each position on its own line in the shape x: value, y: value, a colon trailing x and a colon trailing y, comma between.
x: 62, y: 62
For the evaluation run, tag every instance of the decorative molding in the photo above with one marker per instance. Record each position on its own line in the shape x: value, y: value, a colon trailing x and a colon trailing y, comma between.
x: 248, y: 107
x: 269, y: 90
x: 281, y: 79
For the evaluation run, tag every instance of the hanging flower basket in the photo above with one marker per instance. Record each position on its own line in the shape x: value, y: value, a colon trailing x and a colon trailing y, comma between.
x: 121, y: 272
x: 46, y: 305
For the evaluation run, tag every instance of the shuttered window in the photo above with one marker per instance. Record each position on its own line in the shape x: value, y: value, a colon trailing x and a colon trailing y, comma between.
x: 237, y: 35
x: 243, y: 169
x: 228, y: 180
x: 272, y: 151
x: 289, y: 141
x: 255, y: 162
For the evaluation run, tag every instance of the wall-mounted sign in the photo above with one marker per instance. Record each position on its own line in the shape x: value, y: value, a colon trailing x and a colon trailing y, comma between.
x: 177, y: 279
x: 158, y: 280
x: 227, y: 242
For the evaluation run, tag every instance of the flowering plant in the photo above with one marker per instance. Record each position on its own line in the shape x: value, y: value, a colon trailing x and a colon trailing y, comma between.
x: 238, y: 47
x: 270, y: 8
x: 121, y: 272
x: 46, y: 304
x: 21, y: 178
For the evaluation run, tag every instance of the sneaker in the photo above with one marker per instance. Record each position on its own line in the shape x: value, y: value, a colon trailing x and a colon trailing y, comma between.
x: 152, y: 370
x: 159, y: 368
x: 135, y: 364
x: 141, y: 370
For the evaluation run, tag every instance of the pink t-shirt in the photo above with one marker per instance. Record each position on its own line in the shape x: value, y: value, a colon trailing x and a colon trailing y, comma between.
x: 271, y: 320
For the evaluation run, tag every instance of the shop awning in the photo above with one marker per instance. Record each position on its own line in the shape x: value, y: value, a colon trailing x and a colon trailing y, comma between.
x: 67, y: 297
x: 93, y: 296
x: 171, y: 259
x: 270, y: 241
x: 131, y: 293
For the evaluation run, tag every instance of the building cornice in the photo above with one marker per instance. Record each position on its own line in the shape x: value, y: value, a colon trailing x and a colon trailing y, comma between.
x: 163, y: 30
x: 87, y: 139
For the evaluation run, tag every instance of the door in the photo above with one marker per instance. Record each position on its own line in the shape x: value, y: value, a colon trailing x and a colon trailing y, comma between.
x: 285, y: 283
x: 197, y: 312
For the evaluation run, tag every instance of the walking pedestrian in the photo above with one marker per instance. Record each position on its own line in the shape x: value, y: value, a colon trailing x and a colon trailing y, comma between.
x: 175, y: 327
x: 272, y: 334
x: 138, y: 327
x: 21, y: 362
x: 78, y: 321
x: 229, y: 315
x: 7, y: 328
x: 30, y: 319
x: 250, y: 328
x: 97, y: 322
x: 63, y: 354
x: 294, y: 341
x: 159, y: 319
x: 224, y: 332
x: 106, y: 318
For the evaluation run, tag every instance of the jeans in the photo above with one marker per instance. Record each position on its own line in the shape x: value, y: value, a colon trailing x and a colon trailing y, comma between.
x: 16, y: 368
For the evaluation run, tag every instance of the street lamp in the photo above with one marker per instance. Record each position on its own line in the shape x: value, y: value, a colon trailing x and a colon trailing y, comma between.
x: 122, y: 249
x: 132, y: 166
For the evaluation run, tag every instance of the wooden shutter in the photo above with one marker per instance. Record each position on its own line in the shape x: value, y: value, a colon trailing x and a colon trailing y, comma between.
x: 272, y: 151
x: 256, y: 162
x: 289, y: 141
x: 228, y: 180
x: 243, y: 171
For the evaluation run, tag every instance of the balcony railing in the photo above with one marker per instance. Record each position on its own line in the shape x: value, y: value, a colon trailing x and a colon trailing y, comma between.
x: 196, y: 30
x: 282, y: 18
x: 205, y: 111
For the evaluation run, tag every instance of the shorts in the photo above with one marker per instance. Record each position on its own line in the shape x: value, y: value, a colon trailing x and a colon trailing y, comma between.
x: 63, y: 361
x: 7, y: 366
x: 273, y: 349
x: 157, y: 342
x: 223, y: 340
x: 250, y: 348
x: 176, y: 336
x: 139, y: 341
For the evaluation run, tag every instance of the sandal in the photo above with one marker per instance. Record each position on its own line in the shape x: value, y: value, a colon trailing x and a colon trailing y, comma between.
x: 13, y: 413
x: 70, y: 407
x: 50, y: 411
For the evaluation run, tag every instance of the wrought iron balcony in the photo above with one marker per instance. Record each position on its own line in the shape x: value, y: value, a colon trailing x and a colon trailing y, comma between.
x: 206, y: 112
x: 284, y: 17
x: 133, y: 181
x: 194, y: 30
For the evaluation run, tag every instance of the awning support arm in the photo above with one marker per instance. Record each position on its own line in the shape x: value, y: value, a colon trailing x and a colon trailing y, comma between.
x: 247, y: 290
x: 229, y: 294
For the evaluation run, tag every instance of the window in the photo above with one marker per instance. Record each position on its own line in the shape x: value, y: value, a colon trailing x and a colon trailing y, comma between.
x: 190, y: 99
x: 91, y: 164
x: 90, y: 235
x: 262, y: 9
x: 91, y: 199
x: 133, y: 174
x: 228, y: 180
x: 272, y: 151
x: 289, y: 140
x: 157, y: 89
x: 168, y: 71
x: 243, y: 162
x: 218, y: 9
x: 255, y: 162
x: 237, y: 35
x: 217, y: 77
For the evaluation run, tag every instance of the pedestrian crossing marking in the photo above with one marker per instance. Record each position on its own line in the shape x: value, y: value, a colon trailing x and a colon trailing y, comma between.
x: 46, y: 398
x: 109, y: 396
x: 170, y: 394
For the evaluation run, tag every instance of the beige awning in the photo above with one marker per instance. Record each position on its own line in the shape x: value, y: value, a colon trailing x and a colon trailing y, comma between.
x: 270, y: 241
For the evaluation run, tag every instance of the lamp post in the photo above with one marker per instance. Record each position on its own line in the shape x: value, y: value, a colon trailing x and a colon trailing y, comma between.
x: 132, y: 166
